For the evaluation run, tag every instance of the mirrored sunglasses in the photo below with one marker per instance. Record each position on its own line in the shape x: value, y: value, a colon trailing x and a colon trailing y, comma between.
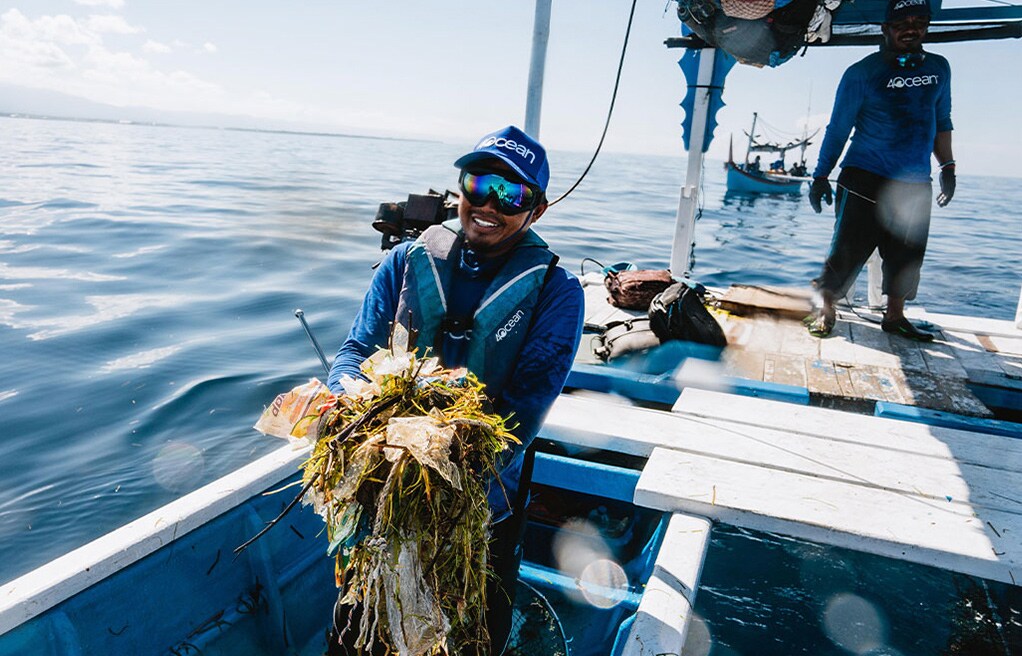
x: 511, y: 197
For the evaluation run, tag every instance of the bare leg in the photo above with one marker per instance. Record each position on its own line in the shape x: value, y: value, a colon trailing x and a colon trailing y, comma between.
x: 821, y: 324
x: 895, y: 309
x: 896, y: 323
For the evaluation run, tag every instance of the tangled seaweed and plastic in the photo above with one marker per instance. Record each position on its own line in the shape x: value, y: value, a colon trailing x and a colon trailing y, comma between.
x: 398, y: 471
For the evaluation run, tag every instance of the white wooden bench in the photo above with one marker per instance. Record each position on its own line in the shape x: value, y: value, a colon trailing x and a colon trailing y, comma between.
x: 937, y: 496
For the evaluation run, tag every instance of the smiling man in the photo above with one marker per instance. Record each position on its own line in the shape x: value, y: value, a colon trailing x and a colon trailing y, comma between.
x: 483, y: 292
x: 898, y: 101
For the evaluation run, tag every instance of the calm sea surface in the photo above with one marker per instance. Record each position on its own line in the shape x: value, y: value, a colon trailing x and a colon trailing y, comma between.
x: 149, y: 275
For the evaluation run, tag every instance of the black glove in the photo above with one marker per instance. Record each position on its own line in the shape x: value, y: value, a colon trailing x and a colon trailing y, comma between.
x: 820, y: 190
x: 947, y: 186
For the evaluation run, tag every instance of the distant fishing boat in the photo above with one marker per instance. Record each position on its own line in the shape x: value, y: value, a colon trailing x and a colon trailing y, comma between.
x: 775, y: 178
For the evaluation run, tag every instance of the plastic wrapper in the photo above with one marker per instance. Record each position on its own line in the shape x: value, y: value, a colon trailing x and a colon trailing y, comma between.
x: 291, y: 413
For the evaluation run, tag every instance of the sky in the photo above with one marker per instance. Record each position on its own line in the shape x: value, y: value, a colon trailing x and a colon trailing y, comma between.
x: 453, y: 71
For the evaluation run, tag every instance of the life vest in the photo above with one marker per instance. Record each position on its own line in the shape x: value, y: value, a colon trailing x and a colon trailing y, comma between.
x: 497, y: 329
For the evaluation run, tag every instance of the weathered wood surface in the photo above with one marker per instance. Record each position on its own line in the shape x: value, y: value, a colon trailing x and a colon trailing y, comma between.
x: 761, y: 299
x: 942, y: 497
x: 860, y: 364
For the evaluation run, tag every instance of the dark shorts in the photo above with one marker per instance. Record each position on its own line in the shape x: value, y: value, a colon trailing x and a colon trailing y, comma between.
x: 877, y: 213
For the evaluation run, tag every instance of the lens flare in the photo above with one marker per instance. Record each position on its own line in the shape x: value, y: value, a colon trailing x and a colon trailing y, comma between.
x: 178, y: 467
x: 855, y: 624
x: 604, y: 583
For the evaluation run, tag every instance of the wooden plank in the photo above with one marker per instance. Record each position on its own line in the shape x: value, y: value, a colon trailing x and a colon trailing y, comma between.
x: 766, y: 337
x: 664, y: 389
x: 891, y: 382
x: 910, y: 358
x: 797, y: 341
x: 941, y: 361
x: 744, y: 364
x: 1001, y: 344
x: 945, y: 393
x: 938, y: 418
x: 995, y: 379
x: 821, y: 378
x: 663, y: 617
x: 842, y: 372
x: 962, y: 399
x: 1012, y: 367
x: 971, y: 353
x: 966, y: 324
x: 865, y: 383
x: 785, y: 369
x: 838, y: 347
x: 957, y: 537
x: 759, y: 299
x: 987, y: 343
x: 737, y: 330
x: 828, y: 455
x: 873, y: 346
x: 961, y: 446
x: 622, y: 383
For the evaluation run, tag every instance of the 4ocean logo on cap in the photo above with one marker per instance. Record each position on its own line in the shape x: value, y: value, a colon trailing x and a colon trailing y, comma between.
x: 905, y: 4
x: 512, y: 145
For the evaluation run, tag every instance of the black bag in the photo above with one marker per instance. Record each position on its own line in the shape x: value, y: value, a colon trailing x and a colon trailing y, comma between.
x: 678, y: 313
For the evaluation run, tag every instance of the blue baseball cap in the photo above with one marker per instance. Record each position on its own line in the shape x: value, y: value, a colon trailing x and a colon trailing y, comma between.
x: 898, y: 9
x: 518, y: 150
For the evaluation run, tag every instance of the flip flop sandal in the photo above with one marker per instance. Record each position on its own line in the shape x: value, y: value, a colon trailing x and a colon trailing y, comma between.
x: 905, y: 328
x: 820, y: 327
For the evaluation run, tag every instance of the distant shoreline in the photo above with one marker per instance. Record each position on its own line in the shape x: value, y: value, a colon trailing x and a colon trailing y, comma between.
x: 158, y: 124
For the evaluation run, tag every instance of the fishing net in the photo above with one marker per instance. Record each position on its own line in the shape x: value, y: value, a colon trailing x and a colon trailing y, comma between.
x: 398, y: 471
x: 535, y: 628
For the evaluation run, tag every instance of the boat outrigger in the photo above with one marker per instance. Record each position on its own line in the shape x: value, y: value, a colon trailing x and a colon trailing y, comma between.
x: 753, y: 177
x: 860, y: 443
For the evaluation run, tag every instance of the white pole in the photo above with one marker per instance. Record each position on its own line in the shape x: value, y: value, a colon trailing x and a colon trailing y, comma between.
x: 540, y: 36
x: 1018, y: 312
x: 685, y: 224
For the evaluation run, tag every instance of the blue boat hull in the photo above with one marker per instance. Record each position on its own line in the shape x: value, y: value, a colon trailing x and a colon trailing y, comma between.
x: 744, y: 182
x: 193, y: 596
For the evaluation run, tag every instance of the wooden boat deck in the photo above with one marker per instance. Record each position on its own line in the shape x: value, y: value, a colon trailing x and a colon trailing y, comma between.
x: 859, y: 364
x: 937, y: 496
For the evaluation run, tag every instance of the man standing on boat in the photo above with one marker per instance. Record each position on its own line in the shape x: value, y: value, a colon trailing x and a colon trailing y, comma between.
x: 898, y: 100
x: 483, y: 292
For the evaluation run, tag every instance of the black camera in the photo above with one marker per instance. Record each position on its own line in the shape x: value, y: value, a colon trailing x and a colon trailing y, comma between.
x: 404, y: 221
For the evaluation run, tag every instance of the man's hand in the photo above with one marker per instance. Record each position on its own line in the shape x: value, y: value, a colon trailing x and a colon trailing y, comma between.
x: 947, y: 186
x: 820, y: 190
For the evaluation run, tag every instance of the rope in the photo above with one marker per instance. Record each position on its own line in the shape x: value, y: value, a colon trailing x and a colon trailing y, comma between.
x: 610, y: 110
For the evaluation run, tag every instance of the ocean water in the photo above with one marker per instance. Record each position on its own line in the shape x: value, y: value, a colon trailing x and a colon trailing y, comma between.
x: 149, y: 275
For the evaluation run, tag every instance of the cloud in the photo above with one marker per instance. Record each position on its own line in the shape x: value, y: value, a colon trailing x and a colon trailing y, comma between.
x: 110, y: 23
x: 113, y: 4
x: 69, y: 55
x: 155, y: 47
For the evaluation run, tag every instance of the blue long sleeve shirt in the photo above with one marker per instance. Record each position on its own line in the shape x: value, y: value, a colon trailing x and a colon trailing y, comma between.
x: 542, y: 366
x: 896, y: 113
